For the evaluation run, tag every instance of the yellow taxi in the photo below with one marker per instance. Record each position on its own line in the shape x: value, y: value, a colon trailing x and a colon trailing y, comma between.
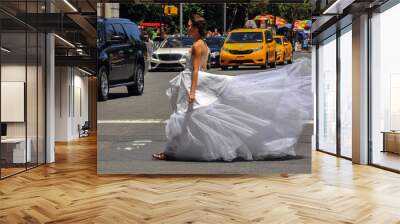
x: 248, y: 47
x: 284, y: 50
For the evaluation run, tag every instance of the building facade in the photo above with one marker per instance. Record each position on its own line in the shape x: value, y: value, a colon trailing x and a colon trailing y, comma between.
x: 357, y: 81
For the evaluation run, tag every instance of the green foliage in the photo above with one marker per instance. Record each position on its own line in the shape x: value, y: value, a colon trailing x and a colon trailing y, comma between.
x: 193, y: 8
x: 292, y: 12
x: 148, y: 13
x: 213, y: 13
x: 288, y: 11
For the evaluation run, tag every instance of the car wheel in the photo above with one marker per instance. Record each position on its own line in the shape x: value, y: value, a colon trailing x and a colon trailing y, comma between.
x: 264, y: 66
x: 236, y: 67
x: 290, y: 60
x: 137, y: 88
x: 103, y: 87
x: 273, y: 64
x: 224, y: 67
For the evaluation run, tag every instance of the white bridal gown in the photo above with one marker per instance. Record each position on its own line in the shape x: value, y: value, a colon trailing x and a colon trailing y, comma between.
x: 244, y: 117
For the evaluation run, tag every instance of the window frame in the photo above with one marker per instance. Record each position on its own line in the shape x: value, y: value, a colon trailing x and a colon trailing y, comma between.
x: 117, y: 32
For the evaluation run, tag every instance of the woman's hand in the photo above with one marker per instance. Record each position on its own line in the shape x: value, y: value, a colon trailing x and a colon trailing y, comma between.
x: 191, y: 98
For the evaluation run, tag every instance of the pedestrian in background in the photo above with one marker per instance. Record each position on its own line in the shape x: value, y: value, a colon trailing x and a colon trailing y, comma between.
x: 150, y: 47
x: 177, y: 33
x: 151, y: 33
x: 149, y: 44
x: 216, y: 33
x: 250, y: 23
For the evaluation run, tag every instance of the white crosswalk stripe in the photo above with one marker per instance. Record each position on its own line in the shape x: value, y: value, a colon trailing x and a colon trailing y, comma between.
x: 138, y: 121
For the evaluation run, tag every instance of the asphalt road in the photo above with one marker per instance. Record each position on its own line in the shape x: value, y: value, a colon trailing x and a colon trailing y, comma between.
x: 154, y: 104
x: 131, y: 128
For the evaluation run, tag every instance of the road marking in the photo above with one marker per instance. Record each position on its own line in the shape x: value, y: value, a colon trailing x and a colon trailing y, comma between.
x: 139, y: 121
x: 144, y: 141
x: 137, y: 144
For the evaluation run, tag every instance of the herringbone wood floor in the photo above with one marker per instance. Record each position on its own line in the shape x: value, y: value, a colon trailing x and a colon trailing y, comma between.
x: 69, y: 191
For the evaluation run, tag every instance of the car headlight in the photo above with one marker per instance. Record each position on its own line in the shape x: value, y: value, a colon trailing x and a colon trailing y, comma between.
x: 154, y: 56
x: 257, y: 49
x: 225, y: 49
x: 214, y: 54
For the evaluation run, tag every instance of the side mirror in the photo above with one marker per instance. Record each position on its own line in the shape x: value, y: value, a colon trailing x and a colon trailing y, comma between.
x: 285, y: 43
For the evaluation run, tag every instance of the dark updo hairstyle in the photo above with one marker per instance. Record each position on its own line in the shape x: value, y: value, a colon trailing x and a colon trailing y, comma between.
x: 200, y: 23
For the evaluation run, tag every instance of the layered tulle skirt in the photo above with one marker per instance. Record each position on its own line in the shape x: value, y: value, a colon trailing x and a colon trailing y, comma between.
x: 246, y: 117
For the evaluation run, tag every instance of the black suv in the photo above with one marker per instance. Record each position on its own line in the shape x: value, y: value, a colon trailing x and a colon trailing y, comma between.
x: 121, y: 57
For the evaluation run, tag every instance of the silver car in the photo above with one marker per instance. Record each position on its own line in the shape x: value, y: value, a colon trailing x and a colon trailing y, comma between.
x: 171, y: 53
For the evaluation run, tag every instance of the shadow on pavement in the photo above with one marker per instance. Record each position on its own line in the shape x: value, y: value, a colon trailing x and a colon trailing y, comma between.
x: 113, y: 96
x: 248, y: 68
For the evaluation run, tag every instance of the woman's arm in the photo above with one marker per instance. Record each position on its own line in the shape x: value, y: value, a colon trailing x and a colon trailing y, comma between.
x: 196, y: 60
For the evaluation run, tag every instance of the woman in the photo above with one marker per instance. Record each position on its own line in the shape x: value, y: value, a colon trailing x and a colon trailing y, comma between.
x: 227, y: 118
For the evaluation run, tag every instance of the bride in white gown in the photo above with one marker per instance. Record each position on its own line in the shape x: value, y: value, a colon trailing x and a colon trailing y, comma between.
x: 245, y: 117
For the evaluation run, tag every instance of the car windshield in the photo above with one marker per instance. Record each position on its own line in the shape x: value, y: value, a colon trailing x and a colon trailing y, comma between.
x: 245, y: 37
x: 278, y: 40
x: 177, y: 43
x: 215, y: 42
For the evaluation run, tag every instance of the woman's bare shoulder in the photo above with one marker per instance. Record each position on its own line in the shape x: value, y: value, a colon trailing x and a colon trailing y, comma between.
x: 200, y: 46
x: 197, y: 44
x: 197, y: 47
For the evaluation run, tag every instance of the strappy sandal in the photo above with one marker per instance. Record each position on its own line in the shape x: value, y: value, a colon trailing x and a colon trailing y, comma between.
x: 284, y: 175
x: 160, y: 156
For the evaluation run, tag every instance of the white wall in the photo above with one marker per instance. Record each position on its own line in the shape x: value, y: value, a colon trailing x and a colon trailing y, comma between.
x: 10, y: 73
x: 81, y: 81
x: 13, y: 72
x: 17, y: 73
x: 70, y: 84
x: 61, y: 103
x: 80, y: 110
x: 33, y: 126
x: 13, y: 101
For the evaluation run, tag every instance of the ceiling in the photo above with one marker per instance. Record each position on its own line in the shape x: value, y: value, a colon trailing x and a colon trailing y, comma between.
x: 72, y: 20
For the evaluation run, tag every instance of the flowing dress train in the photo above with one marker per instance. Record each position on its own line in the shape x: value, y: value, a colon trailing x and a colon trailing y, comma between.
x: 244, y: 117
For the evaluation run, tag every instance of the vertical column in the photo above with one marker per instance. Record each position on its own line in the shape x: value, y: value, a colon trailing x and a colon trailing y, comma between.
x: 224, y: 17
x: 50, y: 92
x: 360, y: 90
x: 181, y: 18
x: 315, y: 92
x: 101, y: 10
x: 1, y: 163
x: 92, y: 91
x: 338, y: 91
